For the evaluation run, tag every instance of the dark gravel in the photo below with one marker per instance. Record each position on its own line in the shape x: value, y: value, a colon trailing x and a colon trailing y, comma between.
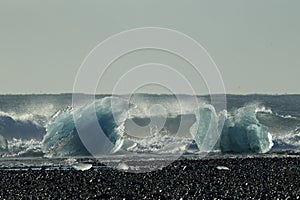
x: 263, y: 178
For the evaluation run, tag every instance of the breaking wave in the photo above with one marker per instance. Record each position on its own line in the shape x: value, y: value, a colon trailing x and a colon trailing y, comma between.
x: 26, y: 126
x: 130, y: 128
x: 242, y: 132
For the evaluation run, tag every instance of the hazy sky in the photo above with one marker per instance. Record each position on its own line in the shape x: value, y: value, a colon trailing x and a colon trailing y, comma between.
x: 256, y: 44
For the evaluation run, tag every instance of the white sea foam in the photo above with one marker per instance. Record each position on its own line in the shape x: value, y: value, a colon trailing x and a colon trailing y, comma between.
x: 20, y: 147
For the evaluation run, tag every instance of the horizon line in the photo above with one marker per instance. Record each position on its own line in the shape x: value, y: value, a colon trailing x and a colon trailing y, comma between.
x: 144, y: 93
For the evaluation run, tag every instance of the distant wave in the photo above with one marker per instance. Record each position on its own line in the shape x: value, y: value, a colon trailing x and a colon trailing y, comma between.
x: 24, y: 126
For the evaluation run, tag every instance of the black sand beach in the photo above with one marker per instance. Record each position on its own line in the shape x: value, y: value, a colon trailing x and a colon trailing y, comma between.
x: 246, y: 178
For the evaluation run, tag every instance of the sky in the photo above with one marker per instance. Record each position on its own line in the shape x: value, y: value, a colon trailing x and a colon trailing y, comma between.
x: 254, y: 43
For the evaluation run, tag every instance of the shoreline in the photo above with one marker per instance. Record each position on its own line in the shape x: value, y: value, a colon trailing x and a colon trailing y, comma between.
x: 256, y: 177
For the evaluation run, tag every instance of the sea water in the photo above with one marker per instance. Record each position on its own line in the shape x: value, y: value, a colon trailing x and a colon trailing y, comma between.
x: 46, y: 126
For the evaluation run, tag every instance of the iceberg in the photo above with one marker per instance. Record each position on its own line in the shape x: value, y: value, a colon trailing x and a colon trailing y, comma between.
x: 205, y: 131
x: 242, y: 133
x: 63, y: 138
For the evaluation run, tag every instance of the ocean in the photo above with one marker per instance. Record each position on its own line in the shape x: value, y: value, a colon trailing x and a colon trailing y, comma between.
x: 39, y: 127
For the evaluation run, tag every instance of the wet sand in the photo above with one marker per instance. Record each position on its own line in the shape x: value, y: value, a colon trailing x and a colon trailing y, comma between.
x: 240, y: 178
